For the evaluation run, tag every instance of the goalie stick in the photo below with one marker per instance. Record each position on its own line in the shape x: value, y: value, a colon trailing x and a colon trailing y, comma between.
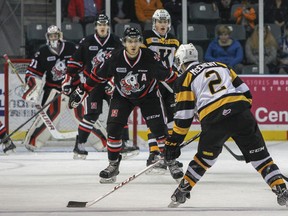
x: 14, y: 70
x: 78, y: 204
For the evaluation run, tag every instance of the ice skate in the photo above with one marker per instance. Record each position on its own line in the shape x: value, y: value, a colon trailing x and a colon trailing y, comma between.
x: 158, y: 169
x: 9, y: 147
x: 79, y: 151
x: 109, y: 174
x: 282, y: 195
x: 175, y: 168
x: 128, y: 151
x: 180, y: 194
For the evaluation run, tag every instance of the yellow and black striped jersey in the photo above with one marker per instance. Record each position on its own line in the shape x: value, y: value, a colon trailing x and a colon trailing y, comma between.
x: 164, y: 46
x: 210, y: 90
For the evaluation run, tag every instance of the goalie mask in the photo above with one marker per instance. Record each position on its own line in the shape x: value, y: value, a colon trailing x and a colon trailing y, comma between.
x: 163, y: 26
x: 53, y: 36
x: 185, y: 53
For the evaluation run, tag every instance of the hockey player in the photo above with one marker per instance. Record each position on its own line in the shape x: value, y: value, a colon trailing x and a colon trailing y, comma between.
x: 222, y: 102
x: 8, y: 145
x: 50, y: 60
x: 92, y: 51
x: 165, y: 44
x: 135, y: 71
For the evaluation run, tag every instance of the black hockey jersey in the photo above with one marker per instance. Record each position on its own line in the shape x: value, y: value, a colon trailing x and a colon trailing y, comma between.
x: 164, y: 46
x: 47, y: 61
x: 92, y: 51
x: 133, y: 79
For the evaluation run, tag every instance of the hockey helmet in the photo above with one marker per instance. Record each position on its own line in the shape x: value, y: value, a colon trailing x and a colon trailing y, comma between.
x: 102, y: 19
x: 161, y: 14
x: 132, y: 32
x: 53, y: 30
x: 185, y: 53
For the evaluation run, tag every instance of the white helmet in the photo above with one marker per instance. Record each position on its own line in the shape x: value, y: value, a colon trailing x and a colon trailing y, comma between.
x: 161, y: 14
x: 53, y: 30
x: 185, y: 53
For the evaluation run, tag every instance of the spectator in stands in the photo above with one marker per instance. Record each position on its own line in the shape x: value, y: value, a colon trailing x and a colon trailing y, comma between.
x: 84, y: 11
x: 174, y: 8
x: 283, y: 52
x: 245, y: 15
x: 145, y: 9
x: 123, y: 12
x: 225, y: 49
x: 276, y: 11
x: 224, y: 7
x: 270, y: 49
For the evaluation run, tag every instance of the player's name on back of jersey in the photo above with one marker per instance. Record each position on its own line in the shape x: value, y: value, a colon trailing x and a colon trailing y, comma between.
x: 200, y: 67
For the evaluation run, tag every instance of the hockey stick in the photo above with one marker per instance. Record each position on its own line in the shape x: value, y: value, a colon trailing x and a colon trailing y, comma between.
x: 237, y: 157
x: 167, y: 87
x: 241, y: 158
x: 51, y: 127
x: 46, y: 105
x: 77, y: 204
x: 14, y: 70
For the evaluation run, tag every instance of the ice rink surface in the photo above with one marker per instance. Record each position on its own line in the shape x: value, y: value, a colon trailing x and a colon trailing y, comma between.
x: 42, y: 183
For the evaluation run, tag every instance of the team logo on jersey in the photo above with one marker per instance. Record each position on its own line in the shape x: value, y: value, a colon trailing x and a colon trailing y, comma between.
x: 129, y: 84
x: 59, y: 70
x: 100, y: 57
x: 226, y: 112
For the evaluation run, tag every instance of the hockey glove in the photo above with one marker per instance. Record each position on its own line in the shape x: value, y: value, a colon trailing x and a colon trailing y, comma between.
x: 69, y: 84
x: 109, y: 88
x: 32, y: 89
x: 172, y: 149
x: 76, y: 97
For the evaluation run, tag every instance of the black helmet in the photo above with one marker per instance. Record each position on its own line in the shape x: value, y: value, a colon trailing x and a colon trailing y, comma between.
x: 132, y: 32
x: 102, y: 19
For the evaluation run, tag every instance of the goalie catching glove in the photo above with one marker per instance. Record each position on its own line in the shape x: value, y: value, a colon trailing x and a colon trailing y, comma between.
x: 172, y: 149
x: 77, y: 96
x: 70, y: 83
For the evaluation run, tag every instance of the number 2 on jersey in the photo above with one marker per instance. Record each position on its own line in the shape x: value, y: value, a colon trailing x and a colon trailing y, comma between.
x: 214, y: 82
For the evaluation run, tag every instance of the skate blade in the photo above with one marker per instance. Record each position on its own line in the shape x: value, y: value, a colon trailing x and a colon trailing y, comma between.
x: 79, y: 157
x: 128, y: 155
x: 173, y: 204
x: 108, y: 180
x: 10, y: 151
x: 30, y: 148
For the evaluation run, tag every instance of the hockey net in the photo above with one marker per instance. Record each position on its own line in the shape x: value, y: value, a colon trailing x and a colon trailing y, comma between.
x: 17, y: 111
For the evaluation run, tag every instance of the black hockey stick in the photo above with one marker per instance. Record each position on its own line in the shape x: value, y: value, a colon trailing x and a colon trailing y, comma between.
x: 237, y: 157
x: 40, y: 110
x: 77, y: 204
x: 241, y: 158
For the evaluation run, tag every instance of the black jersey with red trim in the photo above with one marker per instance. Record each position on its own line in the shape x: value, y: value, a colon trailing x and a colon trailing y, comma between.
x: 135, y: 78
x: 165, y: 46
x: 92, y: 51
x: 53, y: 65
